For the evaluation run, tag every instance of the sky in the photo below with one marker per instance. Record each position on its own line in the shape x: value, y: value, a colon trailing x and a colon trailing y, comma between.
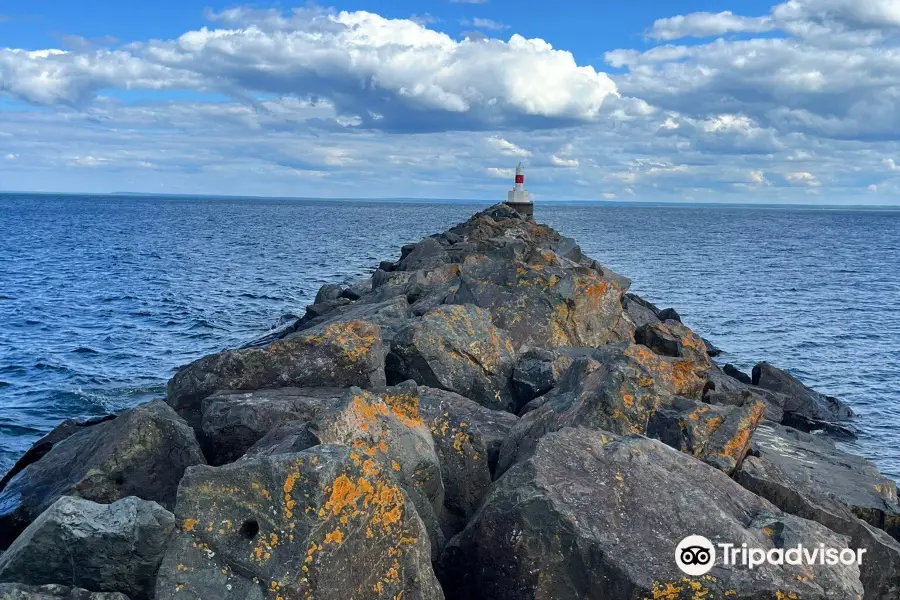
x: 686, y: 100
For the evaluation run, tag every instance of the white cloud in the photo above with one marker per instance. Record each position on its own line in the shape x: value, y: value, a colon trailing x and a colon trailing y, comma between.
x: 890, y: 164
x: 415, y: 77
x: 802, y: 177
x: 501, y: 173
x: 609, y: 195
x: 10, y: 156
x: 873, y: 188
x: 563, y: 162
x: 505, y: 147
x: 704, y: 24
x: 757, y: 178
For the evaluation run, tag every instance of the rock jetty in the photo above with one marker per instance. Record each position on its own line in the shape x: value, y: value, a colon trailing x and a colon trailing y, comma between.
x: 491, y: 416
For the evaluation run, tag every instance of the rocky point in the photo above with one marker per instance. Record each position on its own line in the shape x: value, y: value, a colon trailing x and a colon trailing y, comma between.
x: 490, y: 416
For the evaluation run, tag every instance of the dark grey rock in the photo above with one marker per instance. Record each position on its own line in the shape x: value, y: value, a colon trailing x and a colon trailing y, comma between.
x: 105, y: 547
x: 717, y: 435
x: 289, y: 437
x: 640, y: 311
x: 336, y: 355
x: 456, y: 348
x: 357, y: 290
x: 668, y: 314
x: 803, y: 401
x: 736, y: 373
x: 594, y: 515
x: 18, y: 591
x: 727, y: 390
x: 46, y: 443
x: 808, y: 476
x: 233, y: 421
x: 319, y: 524
x: 143, y: 452
x: 328, y: 292
x: 617, y: 389
x: 493, y: 425
x: 711, y: 349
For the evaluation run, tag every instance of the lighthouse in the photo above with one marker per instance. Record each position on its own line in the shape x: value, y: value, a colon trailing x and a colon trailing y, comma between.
x: 517, y: 197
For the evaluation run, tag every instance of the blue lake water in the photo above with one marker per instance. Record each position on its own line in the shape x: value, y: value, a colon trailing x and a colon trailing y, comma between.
x: 101, y: 298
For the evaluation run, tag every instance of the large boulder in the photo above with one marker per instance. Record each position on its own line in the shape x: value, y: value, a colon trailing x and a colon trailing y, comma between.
x: 320, y: 524
x: 540, y: 301
x: 808, y: 476
x: 456, y: 348
x: 233, y: 421
x: 594, y: 515
x: 717, y: 435
x: 143, y: 452
x: 387, y: 430
x: 616, y: 387
x: 337, y: 355
x: 105, y: 547
x: 18, y: 591
x: 804, y: 408
x: 493, y: 425
x: 389, y: 313
x: 46, y: 443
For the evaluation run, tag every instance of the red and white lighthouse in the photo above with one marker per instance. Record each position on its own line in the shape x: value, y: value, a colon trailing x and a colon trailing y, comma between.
x: 517, y: 197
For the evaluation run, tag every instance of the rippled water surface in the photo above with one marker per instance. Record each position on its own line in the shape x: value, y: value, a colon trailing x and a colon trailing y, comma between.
x: 102, y: 297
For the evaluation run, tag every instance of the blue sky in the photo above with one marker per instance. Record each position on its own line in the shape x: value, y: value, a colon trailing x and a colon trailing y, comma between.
x: 792, y: 102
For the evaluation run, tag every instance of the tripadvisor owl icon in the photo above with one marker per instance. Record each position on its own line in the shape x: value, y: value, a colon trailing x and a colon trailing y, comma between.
x: 695, y: 555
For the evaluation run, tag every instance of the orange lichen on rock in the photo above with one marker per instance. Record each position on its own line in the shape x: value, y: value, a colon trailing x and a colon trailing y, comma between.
x: 405, y: 407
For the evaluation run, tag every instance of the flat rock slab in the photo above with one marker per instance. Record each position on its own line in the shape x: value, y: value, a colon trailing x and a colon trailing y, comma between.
x: 337, y: 355
x: 233, y: 421
x: 105, y: 547
x: 319, y: 524
x: 17, y: 591
x: 456, y: 348
x: 143, y: 452
x: 594, y: 515
x: 808, y: 476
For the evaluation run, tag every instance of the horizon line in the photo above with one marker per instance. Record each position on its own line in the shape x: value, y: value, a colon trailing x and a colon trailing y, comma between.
x: 388, y: 199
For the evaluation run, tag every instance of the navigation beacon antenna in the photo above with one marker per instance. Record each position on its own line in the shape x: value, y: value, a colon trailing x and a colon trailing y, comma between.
x: 517, y: 197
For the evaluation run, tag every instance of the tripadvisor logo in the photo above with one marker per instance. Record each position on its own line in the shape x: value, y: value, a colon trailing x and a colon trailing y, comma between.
x: 696, y: 555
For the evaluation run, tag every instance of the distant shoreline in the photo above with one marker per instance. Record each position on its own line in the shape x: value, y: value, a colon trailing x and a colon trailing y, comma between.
x: 473, y: 201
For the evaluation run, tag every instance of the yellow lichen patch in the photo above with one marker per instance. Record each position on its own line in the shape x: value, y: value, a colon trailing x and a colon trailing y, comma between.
x: 395, y: 465
x: 334, y: 537
x: 189, y: 524
x: 628, y: 400
x: 353, y: 337
x: 786, y: 595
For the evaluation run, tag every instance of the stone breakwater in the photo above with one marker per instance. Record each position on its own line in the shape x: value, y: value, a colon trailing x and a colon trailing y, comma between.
x: 492, y: 416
